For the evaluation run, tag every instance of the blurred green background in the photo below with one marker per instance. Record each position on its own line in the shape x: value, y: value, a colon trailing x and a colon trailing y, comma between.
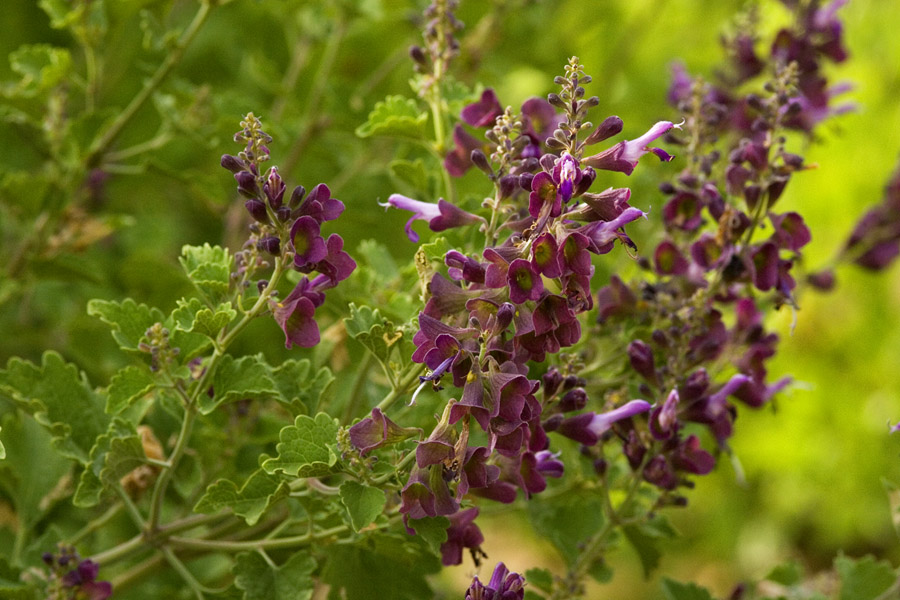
x: 812, y: 464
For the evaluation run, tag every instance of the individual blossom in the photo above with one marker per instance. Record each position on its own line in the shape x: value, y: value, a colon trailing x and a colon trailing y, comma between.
x: 502, y: 586
x: 377, y: 430
x: 623, y: 157
x: 295, y: 314
x: 440, y: 216
x: 462, y: 534
x: 587, y: 428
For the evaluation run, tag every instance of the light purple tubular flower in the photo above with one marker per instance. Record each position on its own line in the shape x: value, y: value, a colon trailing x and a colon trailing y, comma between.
x: 484, y: 112
x: 440, y: 216
x: 623, y: 157
x: 894, y: 428
x: 588, y: 427
x: 502, y: 586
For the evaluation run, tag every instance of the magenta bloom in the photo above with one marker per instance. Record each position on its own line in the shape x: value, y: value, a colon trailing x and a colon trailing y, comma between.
x: 484, y: 112
x: 524, y: 281
x: 440, y: 216
x: 623, y: 157
x: 588, y: 427
x: 295, y: 313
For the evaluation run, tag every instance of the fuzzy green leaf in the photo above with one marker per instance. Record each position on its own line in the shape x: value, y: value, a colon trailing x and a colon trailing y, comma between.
x: 393, y: 566
x: 364, y: 503
x: 300, y: 390
x: 787, y: 574
x: 567, y: 521
x: 379, y: 258
x: 194, y: 316
x: 258, y: 493
x: 864, y: 578
x: 209, y: 269
x: 60, y: 399
x: 31, y: 471
x: 117, y: 451
x: 368, y: 327
x: 433, y: 530
x: 412, y: 173
x: 307, y: 448
x: 542, y: 579
x: 260, y: 581
x: 673, y: 590
x: 126, y: 386
x: 239, y: 379
x: 395, y: 116
x: 128, y: 319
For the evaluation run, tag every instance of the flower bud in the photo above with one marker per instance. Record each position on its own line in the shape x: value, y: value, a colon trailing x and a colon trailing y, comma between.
x: 247, y: 184
x: 610, y: 127
x: 297, y: 197
x: 257, y: 210
x: 574, y: 399
x: 481, y: 161
x: 270, y: 244
x: 232, y: 163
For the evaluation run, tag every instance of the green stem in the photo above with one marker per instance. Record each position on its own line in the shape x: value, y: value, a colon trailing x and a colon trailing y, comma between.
x: 154, y: 143
x: 123, y: 550
x: 131, y: 509
x: 182, y: 570
x: 159, y: 490
x: 356, y: 392
x: 266, y: 544
x: 402, y: 387
x: 96, y: 523
x: 176, y: 53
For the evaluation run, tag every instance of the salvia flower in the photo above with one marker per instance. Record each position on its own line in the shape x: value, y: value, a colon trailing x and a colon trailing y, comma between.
x: 440, y: 216
x: 587, y: 428
x: 623, y: 157
x: 502, y: 586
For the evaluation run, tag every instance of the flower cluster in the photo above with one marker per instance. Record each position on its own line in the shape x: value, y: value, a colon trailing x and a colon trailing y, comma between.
x: 726, y: 254
x: 518, y: 302
x: 72, y: 578
x: 289, y: 230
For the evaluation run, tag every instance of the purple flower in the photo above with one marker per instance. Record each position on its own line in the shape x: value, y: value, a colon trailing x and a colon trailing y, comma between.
x: 376, y: 431
x: 83, y: 578
x: 440, y: 216
x: 318, y: 204
x: 587, y: 428
x: 502, y: 586
x: 463, y: 533
x: 484, y: 112
x: 295, y: 314
x: 623, y: 157
x: 524, y: 281
x: 566, y: 175
x: 307, y: 243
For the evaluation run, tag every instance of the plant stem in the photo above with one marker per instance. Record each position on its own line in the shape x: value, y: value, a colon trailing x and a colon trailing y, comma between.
x: 159, y: 490
x: 176, y: 53
x: 97, y: 523
x: 266, y: 544
x: 135, y: 544
x: 362, y: 376
x: 401, y: 388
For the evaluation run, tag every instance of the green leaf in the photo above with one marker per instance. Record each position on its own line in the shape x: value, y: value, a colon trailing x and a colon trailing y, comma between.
x: 379, y: 258
x: 261, y: 581
x: 248, y: 377
x: 129, y: 320
x: 116, y: 453
x: 864, y: 578
x: 432, y: 530
x: 307, y: 448
x: 259, y: 492
x: 296, y: 388
x: 368, y: 327
x: 542, y: 579
x: 412, y: 173
x: 645, y: 538
x: 209, y: 269
x: 391, y: 566
x: 193, y: 316
x: 31, y: 471
x: 60, y: 399
x: 395, y: 116
x: 568, y: 521
x: 787, y: 574
x: 673, y: 590
x: 364, y: 503
x: 40, y: 66
x: 127, y: 386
